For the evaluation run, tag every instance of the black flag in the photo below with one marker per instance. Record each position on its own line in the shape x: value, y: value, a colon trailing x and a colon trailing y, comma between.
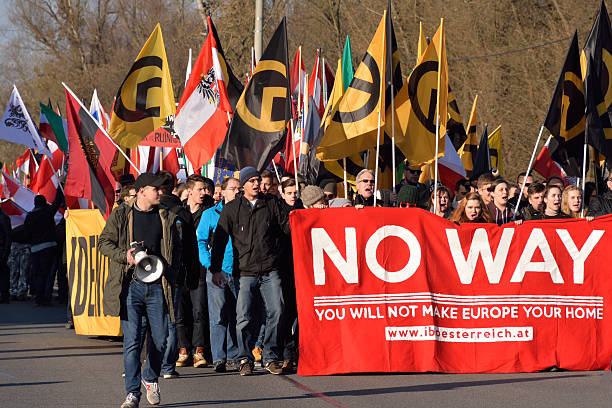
x: 598, y: 94
x: 482, y: 162
x: 566, y: 118
x: 258, y: 128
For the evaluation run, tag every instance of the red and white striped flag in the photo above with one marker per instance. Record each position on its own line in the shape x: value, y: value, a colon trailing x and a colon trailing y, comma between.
x: 314, y: 86
x: 547, y: 167
x: 202, y: 116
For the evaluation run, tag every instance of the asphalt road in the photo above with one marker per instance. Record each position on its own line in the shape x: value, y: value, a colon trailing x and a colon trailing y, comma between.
x: 44, y: 365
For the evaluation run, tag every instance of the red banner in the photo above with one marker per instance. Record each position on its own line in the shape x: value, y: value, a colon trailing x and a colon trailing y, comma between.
x: 402, y: 290
x: 160, y: 138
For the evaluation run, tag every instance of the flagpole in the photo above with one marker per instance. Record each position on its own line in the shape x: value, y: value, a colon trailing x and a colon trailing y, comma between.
x: 535, y: 148
x: 377, y: 153
x: 584, y: 162
x: 382, y: 96
x: 103, y: 131
x: 299, y: 80
x: 276, y: 171
x: 297, y: 184
x: 345, y: 181
x: 393, y: 134
x: 435, y: 199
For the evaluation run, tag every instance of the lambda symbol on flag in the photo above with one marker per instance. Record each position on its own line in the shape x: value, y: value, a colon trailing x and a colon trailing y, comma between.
x: 371, y: 88
x: 273, y: 97
x: 141, y: 111
x: 429, y: 120
x: 574, y: 115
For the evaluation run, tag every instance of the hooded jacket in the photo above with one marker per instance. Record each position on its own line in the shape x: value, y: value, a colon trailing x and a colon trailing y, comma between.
x: 500, y: 217
x: 114, y: 242
x: 255, y: 232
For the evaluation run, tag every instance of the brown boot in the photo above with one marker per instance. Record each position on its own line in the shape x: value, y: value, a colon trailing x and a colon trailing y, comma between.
x: 183, y: 358
x: 198, y: 358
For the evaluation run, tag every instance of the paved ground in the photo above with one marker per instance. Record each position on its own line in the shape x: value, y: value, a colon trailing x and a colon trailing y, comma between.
x: 44, y: 365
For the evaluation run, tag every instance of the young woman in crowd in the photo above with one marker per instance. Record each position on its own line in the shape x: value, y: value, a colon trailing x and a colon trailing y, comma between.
x: 444, y: 208
x: 571, y: 202
x: 500, y: 212
x: 552, y: 204
x: 471, y: 209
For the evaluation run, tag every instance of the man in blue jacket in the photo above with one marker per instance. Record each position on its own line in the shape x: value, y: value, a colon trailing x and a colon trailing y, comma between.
x: 222, y: 291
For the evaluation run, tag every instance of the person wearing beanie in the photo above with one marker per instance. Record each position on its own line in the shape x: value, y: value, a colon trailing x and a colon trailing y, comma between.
x: 255, y: 223
x: 330, y: 190
x: 313, y: 197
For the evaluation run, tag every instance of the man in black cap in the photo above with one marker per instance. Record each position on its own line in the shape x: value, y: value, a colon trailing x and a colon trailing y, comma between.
x: 125, y: 295
x: 255, y: 224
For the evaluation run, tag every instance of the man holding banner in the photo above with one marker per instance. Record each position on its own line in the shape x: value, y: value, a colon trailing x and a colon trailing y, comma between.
x: 128, y: 295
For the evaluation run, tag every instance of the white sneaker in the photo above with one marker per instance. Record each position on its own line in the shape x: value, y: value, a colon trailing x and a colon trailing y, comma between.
x: 130, y: 401
x: 152, y: 392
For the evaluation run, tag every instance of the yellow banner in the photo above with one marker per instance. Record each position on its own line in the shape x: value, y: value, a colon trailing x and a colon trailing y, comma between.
x: 87, y: 273
x: 145, y: 100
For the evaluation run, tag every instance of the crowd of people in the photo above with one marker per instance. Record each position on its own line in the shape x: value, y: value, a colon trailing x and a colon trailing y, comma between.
x: 226, y: 297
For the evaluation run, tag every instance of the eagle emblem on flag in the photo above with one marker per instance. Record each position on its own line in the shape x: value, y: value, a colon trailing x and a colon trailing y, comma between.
x: 208, y: 87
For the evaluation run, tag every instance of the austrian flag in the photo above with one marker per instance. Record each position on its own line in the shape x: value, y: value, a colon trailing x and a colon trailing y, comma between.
x: 203, y: 114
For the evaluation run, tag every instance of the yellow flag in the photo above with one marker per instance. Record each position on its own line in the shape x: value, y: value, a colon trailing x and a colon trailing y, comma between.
x: 355, y: 162
x: 354, y: 122
x: 418, y: 102
x: 495, y: 150
x: 467, y: 152
x: 422, y: 42
x: 145, y: 99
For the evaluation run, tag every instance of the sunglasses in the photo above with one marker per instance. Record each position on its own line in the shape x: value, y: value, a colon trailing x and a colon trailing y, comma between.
x: 367, y: 181
x: 406, y: 205
x: 329, y: 195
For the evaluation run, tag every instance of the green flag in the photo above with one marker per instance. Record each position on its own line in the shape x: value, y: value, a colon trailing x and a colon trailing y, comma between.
x: 53, y: 127
x: 347, y: 64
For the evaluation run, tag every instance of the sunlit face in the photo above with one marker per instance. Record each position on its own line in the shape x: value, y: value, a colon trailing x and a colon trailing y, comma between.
x: 574, y: 200
x: 232, y: 188
x: 365, y: 185
x: 472, y: 209
x: 149, y: 195
x: 500, y: 195
x: 485, y: 194
x: 265, y: 185
x: 252, y: 186
x: 289, y: 194
x: 536, y: 200
x: 196, y: 194
x: 553, y: 200
x: 218, y: 195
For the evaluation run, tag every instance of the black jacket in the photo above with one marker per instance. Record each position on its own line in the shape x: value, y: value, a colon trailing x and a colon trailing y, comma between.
x: 600, y: 205
x: 40, y: 223
x: 189, y: 272
x: 530, y: 213
x: 255, y: 234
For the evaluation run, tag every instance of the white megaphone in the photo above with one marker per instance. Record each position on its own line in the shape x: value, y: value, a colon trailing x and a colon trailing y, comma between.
x: 149, y: 268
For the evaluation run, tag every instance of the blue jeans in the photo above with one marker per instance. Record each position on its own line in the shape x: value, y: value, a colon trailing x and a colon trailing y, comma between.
x: 222, y: 318
x: 171, y: 354
x: 269, y: 286
x: 143, y: 301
